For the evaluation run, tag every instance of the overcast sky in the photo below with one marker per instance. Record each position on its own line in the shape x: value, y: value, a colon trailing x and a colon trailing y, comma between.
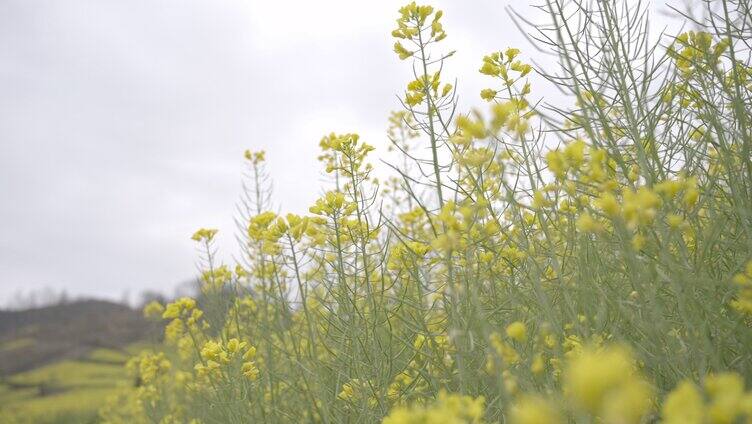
x: 123, y: 123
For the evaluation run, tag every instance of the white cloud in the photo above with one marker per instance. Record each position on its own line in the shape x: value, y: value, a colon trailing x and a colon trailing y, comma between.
x: 122, y: 123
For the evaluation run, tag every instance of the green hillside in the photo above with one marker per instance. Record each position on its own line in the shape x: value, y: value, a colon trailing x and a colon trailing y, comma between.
x: 59, y: 364
x: 65, y: 391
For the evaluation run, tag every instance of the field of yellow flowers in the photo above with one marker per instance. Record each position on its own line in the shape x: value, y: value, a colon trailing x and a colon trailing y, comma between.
x: 524, y: 262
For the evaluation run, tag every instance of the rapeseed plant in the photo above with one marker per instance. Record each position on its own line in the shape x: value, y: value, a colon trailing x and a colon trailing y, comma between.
x: 539, y: 264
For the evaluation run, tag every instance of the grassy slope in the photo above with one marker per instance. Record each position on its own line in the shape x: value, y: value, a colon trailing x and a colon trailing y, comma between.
x: 32, y: 338
x: 66, y: 391
x: 61, y: 363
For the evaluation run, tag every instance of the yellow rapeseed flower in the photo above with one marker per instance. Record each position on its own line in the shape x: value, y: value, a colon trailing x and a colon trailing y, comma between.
x: 605, y: 383
x: 517, y: 331
x: 204, y: 234
x: 534, y: 410
x: 684, y: 405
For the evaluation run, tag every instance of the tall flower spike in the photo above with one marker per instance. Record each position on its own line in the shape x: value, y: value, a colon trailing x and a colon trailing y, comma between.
x: 413, y: 25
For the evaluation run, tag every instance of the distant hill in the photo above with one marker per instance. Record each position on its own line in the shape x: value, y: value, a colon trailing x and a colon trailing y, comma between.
x: 35, y: 337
